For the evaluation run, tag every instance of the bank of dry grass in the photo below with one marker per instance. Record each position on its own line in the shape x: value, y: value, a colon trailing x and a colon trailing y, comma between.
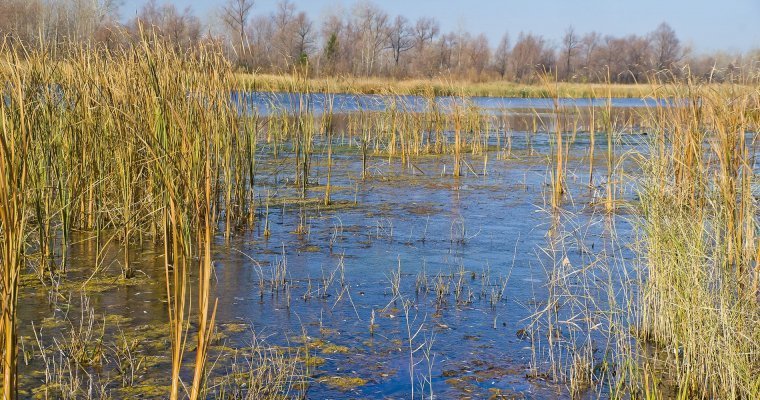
x: 450, y: 87
x: 438, y: 87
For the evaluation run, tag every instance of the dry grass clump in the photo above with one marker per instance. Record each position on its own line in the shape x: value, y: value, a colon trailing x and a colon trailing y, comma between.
x: 700, y: 299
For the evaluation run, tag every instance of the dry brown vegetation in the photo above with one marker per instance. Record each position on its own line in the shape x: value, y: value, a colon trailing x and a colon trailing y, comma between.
x: 683, y: 319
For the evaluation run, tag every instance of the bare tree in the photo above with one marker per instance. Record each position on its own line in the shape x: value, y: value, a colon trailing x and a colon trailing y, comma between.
x: 183, y: 29
x: 34, y: 21
x: 372, y: 25
x: 89, y: 15
x: 260, y: 34
x: 479, y: 55
x: 612, y: 58
x: 637, y: 57
x: 180, y: 28
x: 304, y: 30
x: 285, y: 13
x: 445, y: 50
x: 283, y: 38
x: 425, y: 30
x: 667, y: 47
x: 590, y: 46
x: 400, y: 37
x: 529, y: 55
x: 570, y: 44
x: 20, y: 20
x: 501, y: 56
x: 235, y: 14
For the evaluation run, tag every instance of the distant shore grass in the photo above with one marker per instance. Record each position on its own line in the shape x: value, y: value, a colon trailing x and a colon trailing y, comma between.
x: 439, y: 87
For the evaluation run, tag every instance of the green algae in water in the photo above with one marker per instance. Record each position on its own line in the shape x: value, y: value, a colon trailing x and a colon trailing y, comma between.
x: 334, y: 349
x: 343, y: 382
x: 313, y: 361
x: 235, y: 328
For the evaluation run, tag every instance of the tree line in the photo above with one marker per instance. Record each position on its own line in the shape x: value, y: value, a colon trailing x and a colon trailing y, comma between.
x: 366, y: 41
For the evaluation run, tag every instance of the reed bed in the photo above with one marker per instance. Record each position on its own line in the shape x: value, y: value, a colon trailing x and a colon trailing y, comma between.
x: 700, y: 298
x: 14, y: 178
x: 135, y: 144
x: 682, y: 320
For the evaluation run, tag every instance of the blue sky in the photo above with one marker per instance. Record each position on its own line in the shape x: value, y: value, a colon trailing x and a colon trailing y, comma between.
x: 705, y: 25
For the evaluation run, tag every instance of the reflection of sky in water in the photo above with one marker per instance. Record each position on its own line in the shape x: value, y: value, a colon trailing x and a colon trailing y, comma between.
x: 267, y: 102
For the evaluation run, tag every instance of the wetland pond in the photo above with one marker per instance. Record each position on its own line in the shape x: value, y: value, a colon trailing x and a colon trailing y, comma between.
x: 411, y: 281
x: 268, y: 102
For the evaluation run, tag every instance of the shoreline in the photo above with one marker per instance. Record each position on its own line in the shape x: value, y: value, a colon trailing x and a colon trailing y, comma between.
x: 441, y: 87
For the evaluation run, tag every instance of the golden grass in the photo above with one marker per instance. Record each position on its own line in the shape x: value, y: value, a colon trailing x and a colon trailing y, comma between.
x: 682, y: 319
x: 445, y: 87
x: 699, y: 221
x: 15, y: 146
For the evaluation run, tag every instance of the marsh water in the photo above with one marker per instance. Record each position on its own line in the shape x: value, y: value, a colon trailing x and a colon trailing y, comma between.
x: 268, y: 102
x: 410, y: 280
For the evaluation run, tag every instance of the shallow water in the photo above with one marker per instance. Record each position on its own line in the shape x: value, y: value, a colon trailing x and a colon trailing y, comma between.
x: 267, y: 102
x: 480, y: 234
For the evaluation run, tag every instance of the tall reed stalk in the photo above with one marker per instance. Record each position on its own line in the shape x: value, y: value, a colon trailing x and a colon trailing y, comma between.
x: 457, y: 118
x: 328, y: 131
x: 560, y: 149
x: 609, y: 203
x: 592, y: 141
x: 15, y: 127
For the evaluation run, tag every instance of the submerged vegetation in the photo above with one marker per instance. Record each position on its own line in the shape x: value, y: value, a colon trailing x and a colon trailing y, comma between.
x: 144, y: 147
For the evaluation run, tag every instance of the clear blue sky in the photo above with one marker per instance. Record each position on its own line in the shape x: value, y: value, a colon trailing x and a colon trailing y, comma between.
x: 705, y: 25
